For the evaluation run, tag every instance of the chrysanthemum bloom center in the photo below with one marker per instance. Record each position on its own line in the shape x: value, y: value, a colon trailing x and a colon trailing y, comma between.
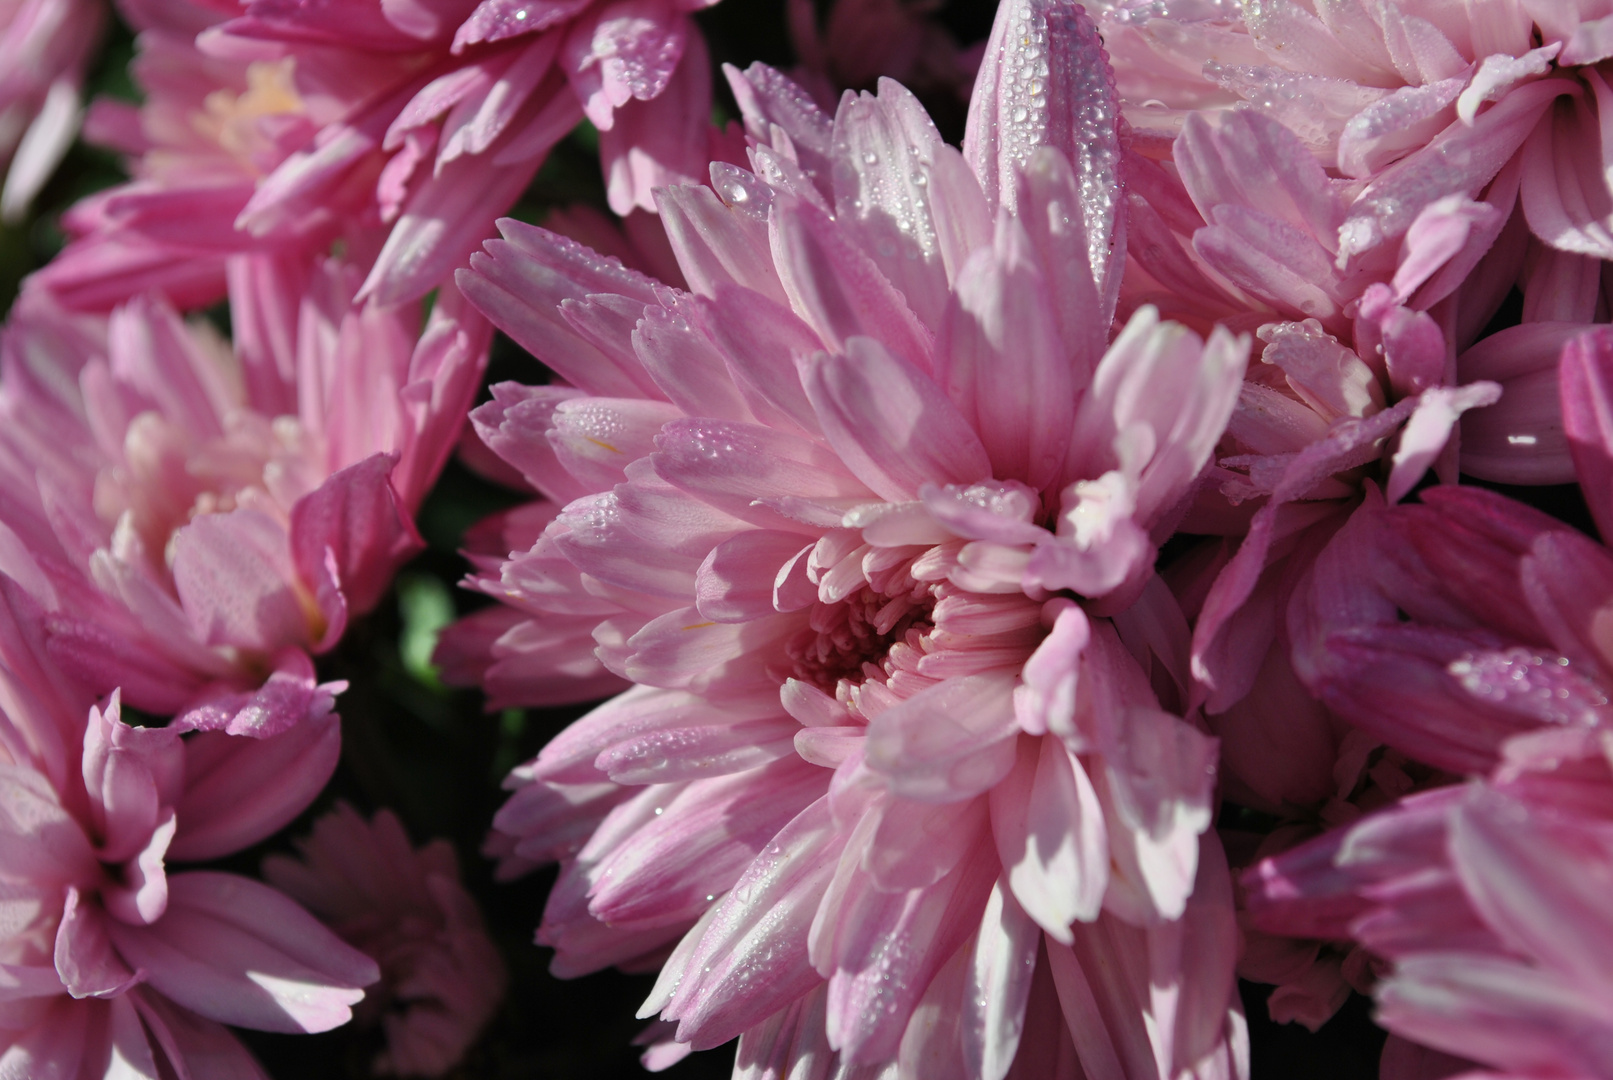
x: 235, y: 121
x: 890, y: 621
x: 869, y: 635
x: 169, y: 476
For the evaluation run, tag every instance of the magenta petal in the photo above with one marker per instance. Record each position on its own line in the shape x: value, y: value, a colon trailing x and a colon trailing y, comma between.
x: 234, y: 574
x: 287, y: 698
x: 239, y: 952
x: 356, y: 516
x: 85, y: 959
x: 1587, y: 399
x: 241, y: 790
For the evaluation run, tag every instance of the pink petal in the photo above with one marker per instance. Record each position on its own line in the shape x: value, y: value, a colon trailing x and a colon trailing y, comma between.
x: 355, y: 516
x: 761, y: 342
x: 85, y: 959
x: 731, y: 467
x: 1045, y: 81
x: 1389, y: 205
x: 1424, y: 436
x: 1002, y: 362
x: 1050, y: 836
x: 949, y: 741
x: 39, y: 841
x: 881, y: 147
x: 233, y: 573
x: 915, y: 845
x: 722, y: 241
x: 1587, y: 399
x: 738, y: 580
x: 519, y: 283
x: 661, y: 141
x: 1002, y: 965
x: 1511, y: 859
x: 890, y: 423
x: 240, y: 790
x: 441, y: 225
x: 1159, y: 781
x: 141, y: 896
x: 206, y: 1048
x: 667, y: 871
x: 882, y: 949
x: 838, y: 290
x: 241, y: 953
x: 686, y: 364
x: 752, y: 959
x: 287, y: 698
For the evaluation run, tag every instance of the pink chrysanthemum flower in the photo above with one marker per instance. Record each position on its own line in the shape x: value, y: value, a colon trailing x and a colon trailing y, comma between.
x: 195, y: 520
x: 1486, y: 904
x: 44, y: 48
x: 1454, y: 632
x: 1410, y: 101
x: 848, y: 516
x: 289, y: 124
x: 114, y: 964
x: 1377, y: 363
x: 441, y: 978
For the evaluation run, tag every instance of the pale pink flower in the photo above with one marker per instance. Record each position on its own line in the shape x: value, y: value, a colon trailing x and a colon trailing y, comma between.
x: 1461, y: 633
x: 114, y: 965
x: 1372, y: 371
x: 892, y: 796
x: 1412, y: 101
x: 44, y: 48
x: 441, y: 978
x: 288, y: 125
x: 1443, y: 629
x: 1487, y: 902
x: 193, y: 519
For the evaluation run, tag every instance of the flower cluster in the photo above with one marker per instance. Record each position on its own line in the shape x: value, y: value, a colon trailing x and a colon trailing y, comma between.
x: 1006, y: 592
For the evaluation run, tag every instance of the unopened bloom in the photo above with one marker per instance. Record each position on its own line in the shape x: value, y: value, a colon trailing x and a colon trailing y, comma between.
x: 441, y: 978
x: 193, y: 519
x: 848, y: 516
x: 113, y: 961
x: 44, y: 48
x: 288, y: 125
